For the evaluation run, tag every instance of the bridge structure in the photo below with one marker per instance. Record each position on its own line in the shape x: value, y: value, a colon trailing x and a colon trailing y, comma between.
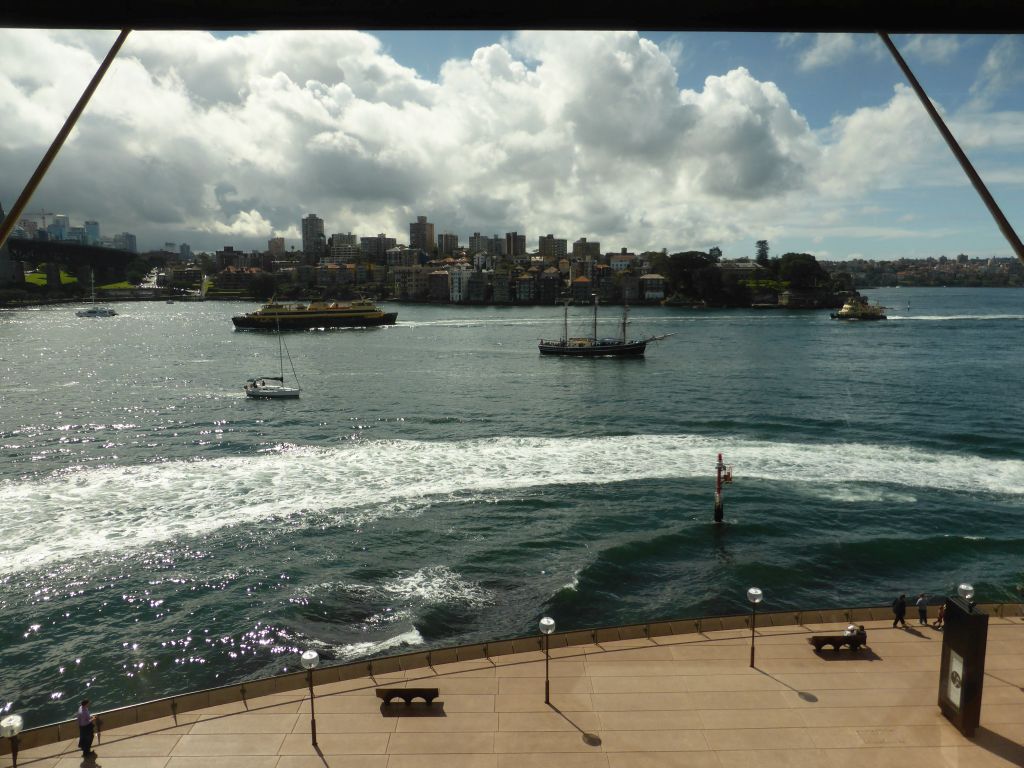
x: 107, y: 264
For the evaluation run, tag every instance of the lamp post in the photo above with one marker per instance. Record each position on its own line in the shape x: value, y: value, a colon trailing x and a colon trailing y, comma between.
x: 10, y: 727
x: 310, y: 661
x: 547, y: 626
x: 966, y: 591
x: 755, y: 596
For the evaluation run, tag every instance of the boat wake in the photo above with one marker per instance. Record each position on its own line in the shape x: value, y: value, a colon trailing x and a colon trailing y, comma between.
x: 113, y: 508
x: 954, y: 318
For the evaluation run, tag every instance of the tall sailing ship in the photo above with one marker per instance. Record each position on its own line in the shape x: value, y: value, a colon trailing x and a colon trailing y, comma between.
x: 594, y: 346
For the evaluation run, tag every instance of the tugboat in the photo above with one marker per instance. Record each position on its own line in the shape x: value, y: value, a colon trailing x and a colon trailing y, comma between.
x: 592, y: 346
x: 316, y: 314
x: 858, y: 308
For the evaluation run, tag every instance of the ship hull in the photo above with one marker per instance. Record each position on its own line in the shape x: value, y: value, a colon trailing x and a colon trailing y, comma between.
x: 837, y: 316
x: 628, y: 349
x: 300, y: 322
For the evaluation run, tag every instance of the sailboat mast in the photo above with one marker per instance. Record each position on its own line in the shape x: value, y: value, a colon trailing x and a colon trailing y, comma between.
x: 565, y: 322
x: 625, y: 320
x: 280, y: 350
x: 595, y: 316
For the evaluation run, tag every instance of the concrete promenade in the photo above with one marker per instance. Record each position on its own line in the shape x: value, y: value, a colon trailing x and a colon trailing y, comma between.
x: 672, y: 700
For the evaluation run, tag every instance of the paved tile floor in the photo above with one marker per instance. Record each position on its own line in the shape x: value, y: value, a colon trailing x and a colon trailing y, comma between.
x: 681, y: 700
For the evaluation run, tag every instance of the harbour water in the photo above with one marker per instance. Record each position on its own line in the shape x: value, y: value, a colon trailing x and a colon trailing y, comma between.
x: 440, y: 482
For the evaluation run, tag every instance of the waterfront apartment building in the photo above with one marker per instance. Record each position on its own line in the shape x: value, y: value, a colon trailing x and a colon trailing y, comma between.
x: 459, y: 286
x: 551, y: 247
x: 447, y: 244
x: 313, y: 241
x: 439, y: 286
x: 421, y: 234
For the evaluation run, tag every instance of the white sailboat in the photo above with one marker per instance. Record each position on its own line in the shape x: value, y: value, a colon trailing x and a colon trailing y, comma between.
x: 93, y: 310
x: 273, y: 387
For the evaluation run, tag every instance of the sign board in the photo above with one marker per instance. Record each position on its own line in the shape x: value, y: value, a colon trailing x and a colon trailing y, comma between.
x: 962, y: 672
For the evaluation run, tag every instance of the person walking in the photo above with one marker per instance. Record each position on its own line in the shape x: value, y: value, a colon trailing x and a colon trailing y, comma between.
x: 86, y: 729
x: 941, y: 617
x: 922, y: 609
x: 899, y: 609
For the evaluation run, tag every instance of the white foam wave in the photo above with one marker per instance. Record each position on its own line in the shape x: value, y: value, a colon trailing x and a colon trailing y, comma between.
x: 945, y: 318
x: 119, y: 508
x: 437, y: 585
x: 476, y: 322
x: 351, y: 651
x: 574, y: 583
x: 858, y: 494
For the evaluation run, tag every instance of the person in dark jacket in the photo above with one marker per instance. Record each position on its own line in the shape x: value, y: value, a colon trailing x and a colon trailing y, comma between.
x: 86, y: 728
x: 899, y: 609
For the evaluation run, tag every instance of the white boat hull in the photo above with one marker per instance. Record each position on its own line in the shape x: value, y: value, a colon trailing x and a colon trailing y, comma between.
x: 271, y: 392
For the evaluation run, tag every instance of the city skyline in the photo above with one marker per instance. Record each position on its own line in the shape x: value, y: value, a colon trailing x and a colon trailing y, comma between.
x: 644, y: 141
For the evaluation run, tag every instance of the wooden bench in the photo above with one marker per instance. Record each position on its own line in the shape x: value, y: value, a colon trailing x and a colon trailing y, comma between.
x: 407, y: 694
x: 854, y: 640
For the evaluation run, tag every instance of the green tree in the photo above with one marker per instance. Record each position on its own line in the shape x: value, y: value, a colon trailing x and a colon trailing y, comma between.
x: 762, y: 253
x: 263, y: 286
x: 802, y: 270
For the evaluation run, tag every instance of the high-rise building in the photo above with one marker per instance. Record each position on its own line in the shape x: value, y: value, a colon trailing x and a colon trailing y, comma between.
x: 447, y: 244
x: 421, y: 234
x: 346, y: 238
x: 185, y: 252
x: 515, y: 245
x: 585, y: 251
x: 479, y: 243
x: 550, y: 246
x: 313, y: 241
x: 499, y: 246
x: 92, y: 232
x: 376, y: 248
x: 342, y: 252
x: 126, y: 242
x: 275, y: 246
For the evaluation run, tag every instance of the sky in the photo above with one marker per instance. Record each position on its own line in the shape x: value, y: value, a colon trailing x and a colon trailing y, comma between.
x: 641, y: 140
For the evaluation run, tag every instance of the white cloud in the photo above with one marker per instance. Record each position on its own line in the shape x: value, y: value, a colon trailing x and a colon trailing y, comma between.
x: 229, y: 141
x: 828, y: 50
x: 881, y: 147
x: 933, y: 49
x: 1001, y: 72
x: 247, y: 224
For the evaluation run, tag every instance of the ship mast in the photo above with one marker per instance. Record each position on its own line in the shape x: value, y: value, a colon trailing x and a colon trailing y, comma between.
x: 595, y: 316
